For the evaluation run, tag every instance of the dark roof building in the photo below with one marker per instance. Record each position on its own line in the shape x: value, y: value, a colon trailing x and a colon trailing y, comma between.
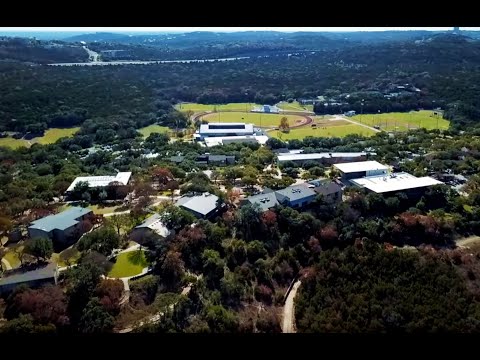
x: 265, y: 201
x: 34, y: 278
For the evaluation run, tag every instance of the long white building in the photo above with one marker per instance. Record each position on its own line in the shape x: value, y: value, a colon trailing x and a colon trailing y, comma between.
x: 101, y: 181
x: 395, y: 182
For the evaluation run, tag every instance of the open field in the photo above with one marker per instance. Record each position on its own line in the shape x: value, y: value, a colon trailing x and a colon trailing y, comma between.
x: 333, y: 130
x: 12, y: 258
x: 73, y: 259
x: 258, y: 119
x: 216, y: 107
x: 129, y: 264
x: 51, y: 136
x: 294, y: 106
x: 404, y: 121
x: 13, y: 143
x: 146, y: 131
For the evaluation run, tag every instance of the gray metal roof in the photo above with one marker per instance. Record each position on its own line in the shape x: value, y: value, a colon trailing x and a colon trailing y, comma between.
x: 327, y: 188
x: 38, y: 274
x: 266, y: 201
x: 202, y: 204
x: 217, y: 158
x: 60, y: 221
x: 155, y: 223
x: 295, y: 192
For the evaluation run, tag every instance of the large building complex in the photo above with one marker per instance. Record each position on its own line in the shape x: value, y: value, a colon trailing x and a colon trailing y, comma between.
x: 62, y: 226
x: 355, y: 170
x: 396, y: 182
x: 122, y: 178
x: 324, y: 158
x: 224, y: 129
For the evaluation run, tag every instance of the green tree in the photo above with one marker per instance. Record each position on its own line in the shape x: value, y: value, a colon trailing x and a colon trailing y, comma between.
x: 41, y: 248
x: 284, y: 125
x: 95, y: 319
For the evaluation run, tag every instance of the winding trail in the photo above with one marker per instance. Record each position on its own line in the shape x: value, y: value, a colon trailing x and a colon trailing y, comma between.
x: 288, y: 323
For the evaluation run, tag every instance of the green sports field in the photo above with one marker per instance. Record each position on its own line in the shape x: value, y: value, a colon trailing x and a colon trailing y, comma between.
x: 51, y: 136
x: 146, y: 131
x: 329, y: 131
x: 216, y: 107
x: 259, y: 119
x: 294, y: 106
x: 404, y: 121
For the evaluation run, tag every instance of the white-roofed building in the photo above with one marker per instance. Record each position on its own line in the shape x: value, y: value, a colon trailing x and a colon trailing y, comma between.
x: 390, y: 184
x: 223, y: 140
x: 359, y: 169
x: 153, y: 226
x: 122, y: 178
x: 224, y: 129
x: 327, y: 158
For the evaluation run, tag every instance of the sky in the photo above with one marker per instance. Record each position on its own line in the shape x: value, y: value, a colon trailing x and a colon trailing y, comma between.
x: 218, y: 29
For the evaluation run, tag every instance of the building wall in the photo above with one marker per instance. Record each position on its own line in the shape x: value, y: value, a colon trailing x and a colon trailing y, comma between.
x: 355, y: 175
x: 32, y: 233
x: 375, y: 172
x: 32, y: 284
x: 300, y: 202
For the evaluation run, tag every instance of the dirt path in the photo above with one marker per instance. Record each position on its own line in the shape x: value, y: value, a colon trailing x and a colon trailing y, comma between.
x: 467, y: 241
x: 93, y: 56
x: 288, y: 324
x: 338, y: 117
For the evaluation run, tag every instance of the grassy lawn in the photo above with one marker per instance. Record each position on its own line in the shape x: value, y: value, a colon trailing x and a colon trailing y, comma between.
x: 254, y: 118
x: 216, y: 107
x: 56, y: 258
x: 294, y: 106
x: 129, y: 264
x: 53, y: 135
x: 12, y: 258
x: 146, y: 131
x: 330, y: 131
x: 13, y: 143
x: 97, y: 209
x: 403, y: 121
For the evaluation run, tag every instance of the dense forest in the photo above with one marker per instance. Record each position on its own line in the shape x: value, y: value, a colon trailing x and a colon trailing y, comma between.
x: 40, y: 52
x: 366, y: 289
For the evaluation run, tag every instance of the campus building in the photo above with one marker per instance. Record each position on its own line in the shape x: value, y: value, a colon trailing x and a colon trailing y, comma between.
x: 122, y: 178
x: 33, y: 279
x: 324, y: 158
x: 355, y: 170
x: 202, y: 206
x: 398, y: 182
x: 61, y: 227
x: 224, y: 129
x: 153, y: 226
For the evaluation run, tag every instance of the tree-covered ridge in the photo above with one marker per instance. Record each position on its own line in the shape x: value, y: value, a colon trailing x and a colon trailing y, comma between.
x: 366, y: 288
x: 441, y: 69
x: 40, y: 52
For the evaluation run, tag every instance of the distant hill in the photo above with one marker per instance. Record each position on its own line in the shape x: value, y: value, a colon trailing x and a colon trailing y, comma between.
x: 102, y: 36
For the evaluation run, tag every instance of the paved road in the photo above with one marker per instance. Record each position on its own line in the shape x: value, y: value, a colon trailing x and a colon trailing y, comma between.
x: 288, y: 324
x: 117, y: 213
x: 338, y: 117
x: 92, y: 54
